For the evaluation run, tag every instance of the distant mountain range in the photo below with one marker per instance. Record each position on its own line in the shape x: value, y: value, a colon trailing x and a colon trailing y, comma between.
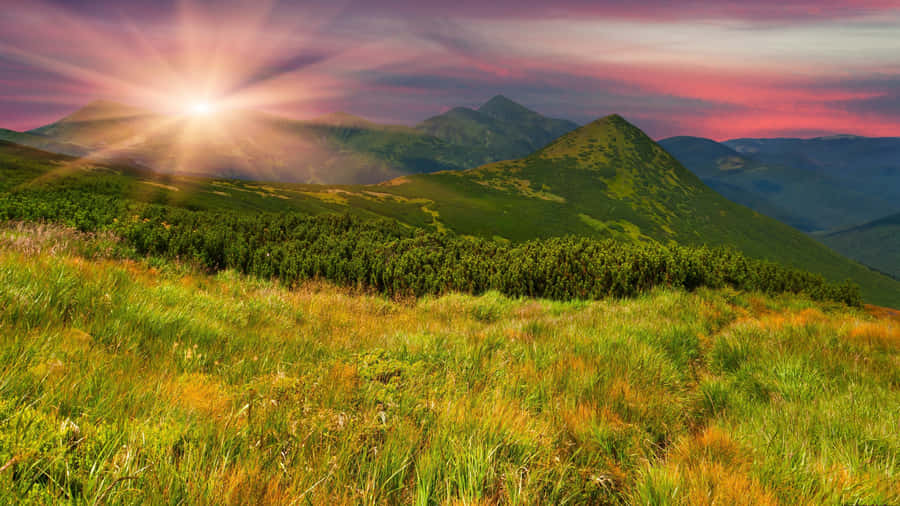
x: 334, y: 149
x: 812, y: 196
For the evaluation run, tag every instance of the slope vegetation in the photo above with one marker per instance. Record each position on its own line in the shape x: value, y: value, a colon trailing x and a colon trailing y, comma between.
x: 608, y: 179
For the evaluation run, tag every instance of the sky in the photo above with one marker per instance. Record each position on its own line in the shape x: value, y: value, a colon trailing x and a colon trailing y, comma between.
x: 719, y: 69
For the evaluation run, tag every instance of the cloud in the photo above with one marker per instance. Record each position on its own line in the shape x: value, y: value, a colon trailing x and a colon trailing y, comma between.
x: 714, y: 68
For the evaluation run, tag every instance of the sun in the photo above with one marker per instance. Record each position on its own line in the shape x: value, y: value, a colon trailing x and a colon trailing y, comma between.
x: 200, y: 108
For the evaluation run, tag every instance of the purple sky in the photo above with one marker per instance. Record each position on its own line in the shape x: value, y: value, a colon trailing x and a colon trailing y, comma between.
x: 719, y: 69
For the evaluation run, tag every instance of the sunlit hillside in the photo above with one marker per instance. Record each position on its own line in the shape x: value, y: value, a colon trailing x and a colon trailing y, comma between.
x: 145, y: 381
x: 607, y: 180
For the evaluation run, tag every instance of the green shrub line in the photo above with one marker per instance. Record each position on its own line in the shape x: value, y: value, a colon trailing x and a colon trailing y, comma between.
x: 396, y: 260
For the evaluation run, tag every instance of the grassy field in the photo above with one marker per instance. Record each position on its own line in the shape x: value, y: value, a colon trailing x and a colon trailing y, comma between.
x: 144, y: 381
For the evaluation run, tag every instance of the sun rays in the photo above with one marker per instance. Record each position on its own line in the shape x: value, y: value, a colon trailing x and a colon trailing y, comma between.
x: 199, y: 75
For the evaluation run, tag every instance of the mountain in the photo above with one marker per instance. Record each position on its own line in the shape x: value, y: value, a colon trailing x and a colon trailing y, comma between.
x: 337, y: 148
x: 542, y: 129
x: 501, y: 127
x: 805, y: 198
x: 866, y: 164
x: 876, y: 244
x: 604, y: 180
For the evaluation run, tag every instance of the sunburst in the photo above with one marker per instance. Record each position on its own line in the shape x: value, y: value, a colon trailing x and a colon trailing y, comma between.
x: 198, y: 72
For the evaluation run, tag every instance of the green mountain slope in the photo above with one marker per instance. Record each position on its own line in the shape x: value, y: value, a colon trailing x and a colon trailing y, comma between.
x: 608, y: 179
x: 604, y: 180
x: 876, y: 244
x: 805, y: 198
x: 502, y: 128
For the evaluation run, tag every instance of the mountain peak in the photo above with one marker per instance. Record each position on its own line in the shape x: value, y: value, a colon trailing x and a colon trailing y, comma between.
x: 502, y: 107
x: 610, y: 141
x: 614, y: 119
x: 500, y: 100
x: 612, y: 122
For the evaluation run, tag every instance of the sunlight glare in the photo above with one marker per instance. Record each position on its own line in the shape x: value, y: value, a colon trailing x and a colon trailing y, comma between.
x: 200, y: 108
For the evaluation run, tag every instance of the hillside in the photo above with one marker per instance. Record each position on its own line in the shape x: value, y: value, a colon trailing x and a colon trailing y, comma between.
x: 876, y: 244
x: 144, y: 382
x: 501, y: 127
x: 606, y: 180
x: 805, y: 198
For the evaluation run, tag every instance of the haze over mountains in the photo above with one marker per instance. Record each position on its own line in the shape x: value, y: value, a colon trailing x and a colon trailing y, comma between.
x: 501, y: 127
x: 334, y: 149
x: 876, y: 244
x: 801, y: 187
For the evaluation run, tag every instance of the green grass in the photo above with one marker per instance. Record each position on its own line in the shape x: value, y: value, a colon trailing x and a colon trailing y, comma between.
x: 144, y: 381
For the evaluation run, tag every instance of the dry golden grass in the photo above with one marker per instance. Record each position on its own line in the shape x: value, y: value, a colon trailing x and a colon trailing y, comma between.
x: 200, y: 393
x: 716, y: 470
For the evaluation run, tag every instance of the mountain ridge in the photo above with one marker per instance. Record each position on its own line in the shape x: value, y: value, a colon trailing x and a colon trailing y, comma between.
x: 504, y: 128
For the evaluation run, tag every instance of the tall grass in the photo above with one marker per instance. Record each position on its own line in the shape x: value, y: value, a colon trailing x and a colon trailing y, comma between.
x: 129, y: 382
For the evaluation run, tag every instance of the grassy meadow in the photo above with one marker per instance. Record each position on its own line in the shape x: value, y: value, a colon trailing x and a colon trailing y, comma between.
x: 145, y: 381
